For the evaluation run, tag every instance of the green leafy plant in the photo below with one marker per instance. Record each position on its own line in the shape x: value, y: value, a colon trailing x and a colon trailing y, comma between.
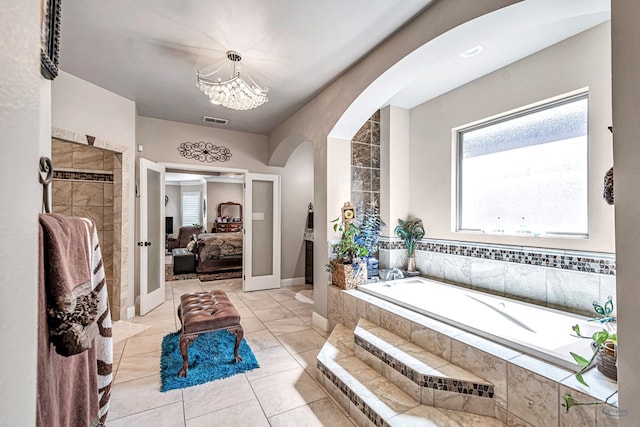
x: 411, y: 231
x: 599, y: 338
x: 348, y: 250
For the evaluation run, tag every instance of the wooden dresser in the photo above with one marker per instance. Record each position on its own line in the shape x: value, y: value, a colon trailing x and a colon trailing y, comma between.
x: 228, y: 227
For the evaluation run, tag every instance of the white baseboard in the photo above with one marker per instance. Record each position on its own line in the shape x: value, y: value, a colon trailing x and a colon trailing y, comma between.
x: 292, y: 281
x: 131, y: 312
x: 320, y: 321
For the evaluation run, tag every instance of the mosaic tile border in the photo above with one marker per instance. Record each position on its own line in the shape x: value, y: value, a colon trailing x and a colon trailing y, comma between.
x: 587, y: 262
x: 83, y: 176
x: 353, y: 397
x: 426, y: 380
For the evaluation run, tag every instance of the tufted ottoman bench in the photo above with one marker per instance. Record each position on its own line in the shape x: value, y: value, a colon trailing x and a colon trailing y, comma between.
x: 201, y: 312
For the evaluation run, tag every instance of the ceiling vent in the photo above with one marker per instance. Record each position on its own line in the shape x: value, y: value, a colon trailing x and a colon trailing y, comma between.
x: 214, y: 120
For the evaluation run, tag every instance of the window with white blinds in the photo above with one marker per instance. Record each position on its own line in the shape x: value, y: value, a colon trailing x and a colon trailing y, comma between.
x: 190, y: 208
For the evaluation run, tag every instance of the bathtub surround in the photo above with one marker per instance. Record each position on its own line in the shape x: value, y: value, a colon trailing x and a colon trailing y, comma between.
x: 526, y: 390
x: 365, y: 165
x: 560, y: 279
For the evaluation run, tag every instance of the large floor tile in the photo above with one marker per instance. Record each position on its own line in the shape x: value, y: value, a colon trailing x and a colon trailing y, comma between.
x: 143, y: 344
x: 260, y: 340
x: 301, y: 341
x: 140, y: 395
x: 247, y: 414
x: 286, y: 390
x: 216, y: 395
x: 165, y: 416
x: 285, y: 326
x: 320, y: 413
x: 251, y: 324
x: 138, y: 366
x: 272, y: 313
x: 272, y: 361
x: 308, y: 360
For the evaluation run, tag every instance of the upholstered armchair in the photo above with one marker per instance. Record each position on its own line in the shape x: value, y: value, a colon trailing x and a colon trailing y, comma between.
x: 184, y: 236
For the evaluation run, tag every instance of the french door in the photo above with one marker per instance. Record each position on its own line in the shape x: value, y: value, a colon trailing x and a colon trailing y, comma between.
x: 262, y: 232
x: 151, y: 235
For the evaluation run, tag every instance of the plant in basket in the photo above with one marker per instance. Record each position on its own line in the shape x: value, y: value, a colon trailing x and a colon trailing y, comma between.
x: 347, y: 268
x: 604, y: 344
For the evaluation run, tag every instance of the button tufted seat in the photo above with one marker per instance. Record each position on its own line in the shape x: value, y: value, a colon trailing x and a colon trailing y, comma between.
x: 201, y: 312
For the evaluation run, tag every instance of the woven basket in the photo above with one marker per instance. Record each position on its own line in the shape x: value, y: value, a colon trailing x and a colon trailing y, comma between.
x: 342, y: 275
x: 606, y: 361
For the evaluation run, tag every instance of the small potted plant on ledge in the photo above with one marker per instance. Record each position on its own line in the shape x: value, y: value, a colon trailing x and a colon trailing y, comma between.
x: 604, y: 344
x: 348, y: 270
x: 411, y: 231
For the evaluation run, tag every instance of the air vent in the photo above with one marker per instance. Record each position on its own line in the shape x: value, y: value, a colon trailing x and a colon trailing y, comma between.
x: 215, y: 120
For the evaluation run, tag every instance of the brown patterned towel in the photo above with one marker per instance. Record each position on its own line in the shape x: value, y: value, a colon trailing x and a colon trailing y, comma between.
x: 73, y: 390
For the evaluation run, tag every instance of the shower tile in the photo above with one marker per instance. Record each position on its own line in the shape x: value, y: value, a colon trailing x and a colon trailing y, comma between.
x: 488, y: 275
x: 61, y: 193
x: 360, y: 179
x: 64, y: 210
x: 532, y: 397
x: 108, y: 194
x: 573, y: 290
x: 364, y: 133
x: 375, y: 179
x: 384, y: 257
x: 108, y: 160
x: 435, y: 267
x: 375, y: 156
x: 375, y: 117
x: 375, y: 133
x: 375, y: 197
x: 360, y: 200
x: 492, y: 368
x: 361, y: 154
x: 526, y: 283
x: 107, y: 242
x: 88, y: 194
x: 85, y: 157
x: 61, y: 154
x: 398, y: 259
x: 108, y: 218
x: 94, y: 213
x: 513, y: 421
x: 578, y: 415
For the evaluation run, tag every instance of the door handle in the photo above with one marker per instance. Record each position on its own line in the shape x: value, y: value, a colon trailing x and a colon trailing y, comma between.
x: 147, y: 243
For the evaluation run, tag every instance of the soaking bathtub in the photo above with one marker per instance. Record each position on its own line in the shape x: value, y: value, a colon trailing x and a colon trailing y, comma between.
x: 538, y: 331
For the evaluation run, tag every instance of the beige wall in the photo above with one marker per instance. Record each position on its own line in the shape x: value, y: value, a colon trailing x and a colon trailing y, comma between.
x: 161, y: 139
x: 221, y: 192
x: 86, y: 109
x: 173, y: 207
x: 578, y: 62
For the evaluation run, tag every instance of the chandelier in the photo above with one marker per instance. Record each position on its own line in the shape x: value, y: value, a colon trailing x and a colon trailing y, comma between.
x: 234, y: 93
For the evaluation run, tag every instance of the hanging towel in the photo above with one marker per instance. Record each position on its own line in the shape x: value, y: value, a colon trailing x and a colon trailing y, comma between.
x: 74, y: 322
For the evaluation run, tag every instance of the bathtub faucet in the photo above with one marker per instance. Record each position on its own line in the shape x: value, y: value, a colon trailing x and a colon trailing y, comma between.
x: 393, y: 274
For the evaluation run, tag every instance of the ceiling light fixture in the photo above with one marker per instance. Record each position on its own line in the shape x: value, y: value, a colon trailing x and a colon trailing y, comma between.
x: 474, y: 51
x: 234, y: 93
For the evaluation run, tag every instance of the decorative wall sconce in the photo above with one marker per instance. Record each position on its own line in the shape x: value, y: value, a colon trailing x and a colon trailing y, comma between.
x: 204, y: 152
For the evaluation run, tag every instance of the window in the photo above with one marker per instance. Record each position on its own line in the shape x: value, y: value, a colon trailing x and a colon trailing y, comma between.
x: 190, y: 208
x: 526, y: 173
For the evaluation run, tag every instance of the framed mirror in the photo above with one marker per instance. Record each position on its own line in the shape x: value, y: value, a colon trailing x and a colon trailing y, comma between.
x: 230, y: 210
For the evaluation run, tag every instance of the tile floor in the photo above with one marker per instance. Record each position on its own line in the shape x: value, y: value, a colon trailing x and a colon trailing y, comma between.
x: 282, y: 392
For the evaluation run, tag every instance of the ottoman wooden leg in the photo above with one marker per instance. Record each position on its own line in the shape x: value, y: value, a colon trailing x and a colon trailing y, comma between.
x: 185, y: 342
x: 239, y: 333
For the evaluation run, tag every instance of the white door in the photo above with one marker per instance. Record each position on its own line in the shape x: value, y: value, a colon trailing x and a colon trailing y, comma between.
x: 262, y: 232
x: 151, y: 239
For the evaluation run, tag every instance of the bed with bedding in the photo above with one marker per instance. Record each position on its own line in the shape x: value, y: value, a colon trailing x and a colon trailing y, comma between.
x: 219, y: 252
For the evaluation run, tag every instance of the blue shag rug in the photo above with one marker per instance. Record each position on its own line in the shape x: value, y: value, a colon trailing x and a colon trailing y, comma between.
x: 210, y: 358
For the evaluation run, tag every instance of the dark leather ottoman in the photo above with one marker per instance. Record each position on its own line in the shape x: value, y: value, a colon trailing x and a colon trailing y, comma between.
x: 183, y: 261
x: 201, y: 312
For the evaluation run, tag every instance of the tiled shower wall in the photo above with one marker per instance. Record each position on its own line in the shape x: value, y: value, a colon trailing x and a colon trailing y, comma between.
x: 83, y: 185
x: 554, y: 278
x: 365, y: 165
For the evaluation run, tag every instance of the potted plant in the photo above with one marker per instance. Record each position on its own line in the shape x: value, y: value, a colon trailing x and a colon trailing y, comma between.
x: 369, y: 235
x: 411, y: 231
x: 347, y: 268
x: 604, y: 344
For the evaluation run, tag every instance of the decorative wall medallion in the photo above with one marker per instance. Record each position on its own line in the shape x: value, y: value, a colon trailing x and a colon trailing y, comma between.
x: 204, y: 152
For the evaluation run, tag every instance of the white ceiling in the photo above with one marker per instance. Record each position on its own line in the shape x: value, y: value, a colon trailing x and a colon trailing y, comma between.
x: 148, y: 50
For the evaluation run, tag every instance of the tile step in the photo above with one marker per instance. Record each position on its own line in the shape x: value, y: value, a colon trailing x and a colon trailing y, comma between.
x: 385, y: 351
x: 372, y: 399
